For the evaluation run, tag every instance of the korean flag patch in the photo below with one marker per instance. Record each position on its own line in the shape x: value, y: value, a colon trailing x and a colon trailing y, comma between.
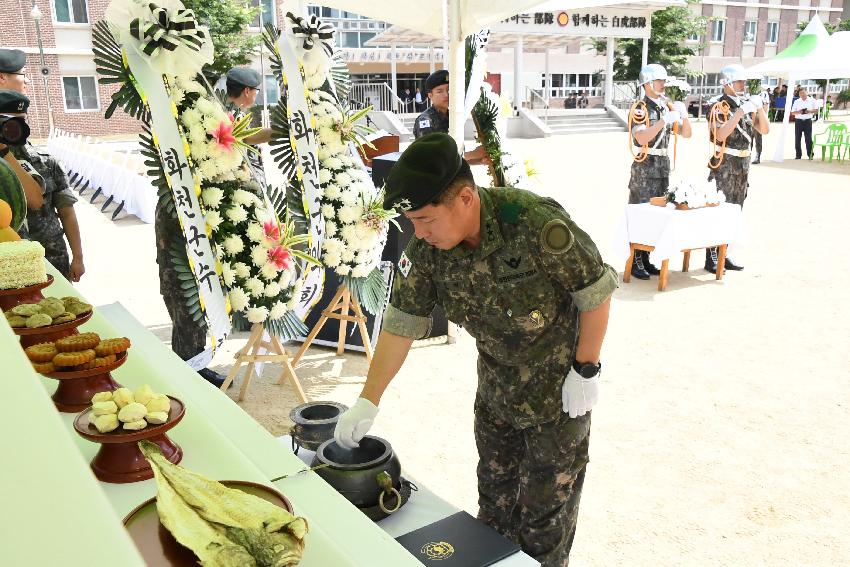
x: 404, y: 264
x: 425, y: 123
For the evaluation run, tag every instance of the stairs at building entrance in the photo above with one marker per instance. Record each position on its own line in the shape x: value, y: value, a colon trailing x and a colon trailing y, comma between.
x: 590, y: 121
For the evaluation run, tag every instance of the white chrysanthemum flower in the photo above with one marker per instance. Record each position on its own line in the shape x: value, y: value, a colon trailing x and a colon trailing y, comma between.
x: 197, y: 134
x: 212, y: 197
x: 243, y: 197
x: 228, y: 274
x: 242, y: 270
x: 279, y: 309
x: 213, y: 220
x: 332, y: 191
x: 269, y: 272
x: 208, y: 169
x: 255, y: 287
x: 255, y: 231
x: 349, y: 233
x: 259, y: 255
x: 360, y: 271
x: 272, y: 289
x: 343, y: 270
x: 326, y: 133
x: 348, y: 254
x: 257, y: 314
x: 177, y: 95
x: 325, y: 175
x: 328, y: 211
x: 347, y: 214
x: 343, y: 179
x: 350, y: 196
x: 331, y: 260
x: 190, y: 117
x: 237, y: 214
x: 243, y: 174
x: 233, y: 245
x: 332, y: 245
x: 333, y: 163
x: 238, y: 299
x: 323, y: 153
x: 198, y: 151
x: 330, y: 229
x: 286, y: 278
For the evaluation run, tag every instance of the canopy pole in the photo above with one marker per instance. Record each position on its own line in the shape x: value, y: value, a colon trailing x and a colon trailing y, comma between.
x: 547, y: 81
x: 456, y: 64
x: 609, y: 71
x: 393, y: 79
x: 779, y: 153
x: 644, y: 52
x: 432, y: 66
x: 518, y: 94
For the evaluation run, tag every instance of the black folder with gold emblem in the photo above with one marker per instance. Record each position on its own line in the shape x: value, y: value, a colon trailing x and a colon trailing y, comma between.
x: 458, y: 541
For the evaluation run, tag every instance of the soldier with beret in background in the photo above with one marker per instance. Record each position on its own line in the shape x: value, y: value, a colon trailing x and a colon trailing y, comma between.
x: 530, y: 286
x: 436, y: 117
x: 242, y: 85
x: 13, y: 105
x: 55, y: 221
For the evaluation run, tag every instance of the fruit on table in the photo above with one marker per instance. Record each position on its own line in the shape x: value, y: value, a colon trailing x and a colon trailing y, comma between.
x: 156, y: 417
x: 158, y: 403
x: 104, y: 408
x: 106, y: 423
x: 8, y: 234
x: 122, y: 397
x: 223, y: 526
x: 132, y: 412
x: 12, y: 192
x: 135, y: 425
x: 5, y: 214
x: 124, y: 408
x: 143, y: 394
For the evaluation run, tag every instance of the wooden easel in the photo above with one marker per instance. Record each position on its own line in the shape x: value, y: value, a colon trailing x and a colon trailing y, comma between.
x: 340, y: 307
x: 250, y: 355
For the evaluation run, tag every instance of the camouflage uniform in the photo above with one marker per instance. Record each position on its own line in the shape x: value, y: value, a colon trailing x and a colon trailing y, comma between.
x: 518, y: 294
x: 258, y: 172
x: 731, y: 176
x: 432, y: 120
x: 43, y: 224
x: 651, y: 177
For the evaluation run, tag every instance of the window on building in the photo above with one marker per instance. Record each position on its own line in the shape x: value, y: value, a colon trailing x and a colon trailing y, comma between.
x: 718, y: 30
x: 80, y: 93
x: 750, y: 31
x: 364, y: 37
x: 268, y: 13
x: 349, y: 39
x: 314, y: 11
x: 71, y: 11
x: 694, y: 37
x: 330, y: 13
x: 772, y: 32
x: 269, y: 91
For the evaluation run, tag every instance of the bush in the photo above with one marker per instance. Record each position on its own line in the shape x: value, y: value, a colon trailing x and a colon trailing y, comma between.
x: 843, y: 97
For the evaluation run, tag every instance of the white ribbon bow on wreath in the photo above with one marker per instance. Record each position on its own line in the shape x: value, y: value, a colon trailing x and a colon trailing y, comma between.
x: 166, y: 33
x: 313, y: 31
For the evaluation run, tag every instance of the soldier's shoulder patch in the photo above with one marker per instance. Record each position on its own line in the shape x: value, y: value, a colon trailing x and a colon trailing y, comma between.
x: 424, y: 123
x: 556, y: 237
x: 510, y: 211
x: 404, y: 264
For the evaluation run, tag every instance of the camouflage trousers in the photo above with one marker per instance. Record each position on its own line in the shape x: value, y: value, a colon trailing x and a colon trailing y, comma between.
x: 530, y: 481
x: 56, y: 252
x: 188, y: 337
x: 731, y: 183
x: 641, y: 188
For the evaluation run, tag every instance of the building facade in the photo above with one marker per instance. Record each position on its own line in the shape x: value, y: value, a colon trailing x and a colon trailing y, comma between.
x: 738, y: 32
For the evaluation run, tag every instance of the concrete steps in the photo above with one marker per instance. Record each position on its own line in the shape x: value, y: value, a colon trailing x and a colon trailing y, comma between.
x: 586, y: 122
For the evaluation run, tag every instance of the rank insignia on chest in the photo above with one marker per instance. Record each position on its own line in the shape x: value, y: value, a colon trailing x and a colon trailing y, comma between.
x: 424, y: 123
x: 404, y: 264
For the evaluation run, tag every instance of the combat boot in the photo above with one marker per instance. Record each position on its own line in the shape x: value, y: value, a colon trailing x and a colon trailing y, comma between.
x: 711, y: 260
x: 638, y: 269
x: 730, y: 265
x: 647, y: 265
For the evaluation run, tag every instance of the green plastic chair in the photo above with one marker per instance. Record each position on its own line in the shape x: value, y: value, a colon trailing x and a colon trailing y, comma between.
x: 835, y: 134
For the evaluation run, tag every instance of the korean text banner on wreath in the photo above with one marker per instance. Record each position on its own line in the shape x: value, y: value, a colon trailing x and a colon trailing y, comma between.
x: 302, y: 134
x: 179, y: 176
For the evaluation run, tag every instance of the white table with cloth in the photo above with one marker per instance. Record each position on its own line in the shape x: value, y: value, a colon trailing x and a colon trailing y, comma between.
x: 218, y: 438
x: 666, y: 232
x: 423, y: 508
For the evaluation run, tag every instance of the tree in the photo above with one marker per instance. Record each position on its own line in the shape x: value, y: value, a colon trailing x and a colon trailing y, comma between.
x: 667, y: 46
x: 228, y: 21
x: 843, y: 25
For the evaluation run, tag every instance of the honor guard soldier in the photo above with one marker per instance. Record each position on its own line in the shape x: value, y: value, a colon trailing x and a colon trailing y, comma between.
x: 652, y: 121
x: 732, y: 120
x: 530, y: 286
x: 436, y: 117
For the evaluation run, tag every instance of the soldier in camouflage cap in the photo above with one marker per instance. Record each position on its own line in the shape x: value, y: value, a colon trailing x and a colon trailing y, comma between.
x: 653, y: 120
x: 530, y: 287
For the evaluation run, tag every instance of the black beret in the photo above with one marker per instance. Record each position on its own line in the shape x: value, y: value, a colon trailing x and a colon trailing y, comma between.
x: 13, y: 102
x: 436, y: 79
x: 425, y: 169
x: 12, y: 60
x: 244, y: 76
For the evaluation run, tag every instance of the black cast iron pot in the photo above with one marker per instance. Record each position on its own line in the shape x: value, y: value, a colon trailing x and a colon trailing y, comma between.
x: 369, y: 476
x: 314, y: 423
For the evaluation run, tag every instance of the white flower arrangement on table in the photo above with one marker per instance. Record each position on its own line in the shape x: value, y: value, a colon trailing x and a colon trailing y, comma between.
x: 356, y: 225
x: 253, y: 240
x: 695, y: 195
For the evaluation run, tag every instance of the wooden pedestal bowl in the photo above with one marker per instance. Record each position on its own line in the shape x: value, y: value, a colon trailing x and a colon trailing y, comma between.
x: 119, y: 459
x: 31, y: 294
x: 76, y: 387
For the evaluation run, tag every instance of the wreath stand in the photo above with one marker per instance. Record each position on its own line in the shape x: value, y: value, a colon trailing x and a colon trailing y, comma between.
x: 250, y: 355
x: 344, y: 308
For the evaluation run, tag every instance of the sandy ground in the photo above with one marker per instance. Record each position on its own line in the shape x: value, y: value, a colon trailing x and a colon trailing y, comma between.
x: 721, y: 434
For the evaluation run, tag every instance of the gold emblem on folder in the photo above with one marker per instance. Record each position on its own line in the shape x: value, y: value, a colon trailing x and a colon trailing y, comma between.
x: 437, y: 550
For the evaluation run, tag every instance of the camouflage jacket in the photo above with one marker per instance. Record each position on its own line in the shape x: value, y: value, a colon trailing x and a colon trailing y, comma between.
x: 740, y: 139
x: 43, y: 224
x: 518, y: 294
x: 432, y: 120
x: 653, y: 165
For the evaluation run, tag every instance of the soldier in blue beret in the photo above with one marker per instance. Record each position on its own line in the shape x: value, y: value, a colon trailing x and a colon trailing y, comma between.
x: 530, y: 286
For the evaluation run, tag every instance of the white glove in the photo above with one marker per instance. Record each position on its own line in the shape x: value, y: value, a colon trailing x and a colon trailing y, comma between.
x: 749, y: 107
x: 680, y: 107
x: 355, y: 423
x: 579, y: 394
x: 672, y: 116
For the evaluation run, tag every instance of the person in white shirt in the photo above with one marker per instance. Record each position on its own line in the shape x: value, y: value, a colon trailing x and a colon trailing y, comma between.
x: 803, y: 109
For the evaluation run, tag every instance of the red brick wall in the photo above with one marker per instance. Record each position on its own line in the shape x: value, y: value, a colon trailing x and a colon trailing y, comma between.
x: 733, y: 43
